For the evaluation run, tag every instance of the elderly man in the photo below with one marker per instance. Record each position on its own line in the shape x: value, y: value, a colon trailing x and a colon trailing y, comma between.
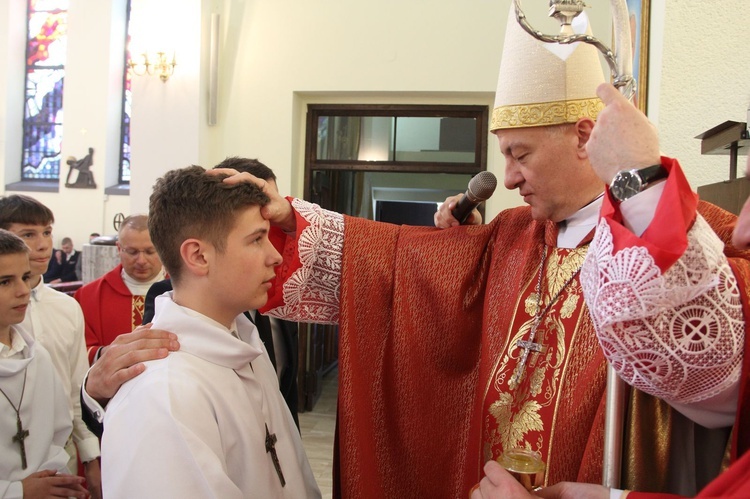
x: 113, y: 304
x: 659, y: 287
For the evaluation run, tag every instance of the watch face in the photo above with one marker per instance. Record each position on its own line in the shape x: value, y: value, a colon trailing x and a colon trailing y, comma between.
x: 626, y: 184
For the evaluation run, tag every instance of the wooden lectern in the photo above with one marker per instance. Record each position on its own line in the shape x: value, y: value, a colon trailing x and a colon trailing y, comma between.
x: 732, y: 138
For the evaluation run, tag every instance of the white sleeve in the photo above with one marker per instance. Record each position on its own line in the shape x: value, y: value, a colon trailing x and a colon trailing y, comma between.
x: 638, y: 211
x: 58, y: 457
x: 94, y: 407
x: 86, y: 442
x: 678, y: 335
x: 11, y: 490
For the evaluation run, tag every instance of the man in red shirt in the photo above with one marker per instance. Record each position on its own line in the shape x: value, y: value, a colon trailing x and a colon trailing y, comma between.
x: 113, y: 304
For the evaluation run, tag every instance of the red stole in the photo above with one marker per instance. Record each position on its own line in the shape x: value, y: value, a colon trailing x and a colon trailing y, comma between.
x: 554, y: 406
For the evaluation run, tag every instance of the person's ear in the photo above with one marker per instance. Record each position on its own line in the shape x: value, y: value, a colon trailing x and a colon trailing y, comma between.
x: 194, y: 256
x: 583, y: 128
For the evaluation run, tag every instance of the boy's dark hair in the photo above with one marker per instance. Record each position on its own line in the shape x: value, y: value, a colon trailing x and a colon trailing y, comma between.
x: 187, y: 203
x: 20, y: 209
x: 11, y: 244
x: 251, y: 166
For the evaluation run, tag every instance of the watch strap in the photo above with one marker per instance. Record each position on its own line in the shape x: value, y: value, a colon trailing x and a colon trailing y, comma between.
x: 652, y: 173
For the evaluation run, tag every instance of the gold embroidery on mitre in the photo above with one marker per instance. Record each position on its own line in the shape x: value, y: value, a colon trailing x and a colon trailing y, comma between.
x: 545, y: 113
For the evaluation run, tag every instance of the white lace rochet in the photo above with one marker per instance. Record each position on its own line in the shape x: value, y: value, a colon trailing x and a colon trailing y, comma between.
x: 678, y: 335
x: 312, y: 292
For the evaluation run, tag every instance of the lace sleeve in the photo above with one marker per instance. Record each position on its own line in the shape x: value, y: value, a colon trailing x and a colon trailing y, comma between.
x: 677, y: 335
x: 311, y: 293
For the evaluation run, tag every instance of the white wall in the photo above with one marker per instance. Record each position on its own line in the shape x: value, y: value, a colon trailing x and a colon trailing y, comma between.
x: 702, y: 78
x: 279, y: 55
x: 166, y: 116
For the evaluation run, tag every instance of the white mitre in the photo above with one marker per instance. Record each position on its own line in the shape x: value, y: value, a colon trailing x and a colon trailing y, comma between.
x: 546, y: 83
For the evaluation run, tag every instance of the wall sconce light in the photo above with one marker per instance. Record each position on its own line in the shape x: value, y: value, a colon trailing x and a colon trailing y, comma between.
x: 161, y: 66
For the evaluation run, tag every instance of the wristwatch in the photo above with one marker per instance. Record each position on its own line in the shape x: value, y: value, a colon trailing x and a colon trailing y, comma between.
x: 628, y: 183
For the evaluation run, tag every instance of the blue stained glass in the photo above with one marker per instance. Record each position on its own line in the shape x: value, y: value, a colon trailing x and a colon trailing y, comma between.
x: 45, y: 73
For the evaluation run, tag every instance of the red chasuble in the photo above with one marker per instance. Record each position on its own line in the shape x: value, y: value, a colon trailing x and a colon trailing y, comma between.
x: 109, y: 310
x: 429, y: 327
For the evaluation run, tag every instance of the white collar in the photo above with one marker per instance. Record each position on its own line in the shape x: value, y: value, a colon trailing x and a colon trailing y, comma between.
x: 138, y: 288
x: 577, y: 226
x: 204, y: 337
x: 36, y: 290
x: 20, y: 342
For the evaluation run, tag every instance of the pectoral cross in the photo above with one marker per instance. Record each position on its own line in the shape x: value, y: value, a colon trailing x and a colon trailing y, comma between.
x: 271, y: 447
x: 528, y: 347
x: 20, y: 437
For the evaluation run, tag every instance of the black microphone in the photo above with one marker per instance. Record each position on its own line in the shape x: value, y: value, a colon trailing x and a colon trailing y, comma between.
x: 481, y: 187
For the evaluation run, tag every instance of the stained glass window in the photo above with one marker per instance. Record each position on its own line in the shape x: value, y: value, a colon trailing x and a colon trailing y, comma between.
x: 45, y: 71
x: 127, y: 96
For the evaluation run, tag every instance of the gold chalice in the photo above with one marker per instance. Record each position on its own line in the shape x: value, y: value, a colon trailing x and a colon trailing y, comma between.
x: 525, y: 465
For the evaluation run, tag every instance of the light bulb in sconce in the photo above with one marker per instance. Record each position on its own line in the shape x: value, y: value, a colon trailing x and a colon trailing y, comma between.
x: 157, y: 64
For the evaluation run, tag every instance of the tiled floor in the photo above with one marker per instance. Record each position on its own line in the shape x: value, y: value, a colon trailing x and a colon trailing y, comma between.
x: 317, y: 427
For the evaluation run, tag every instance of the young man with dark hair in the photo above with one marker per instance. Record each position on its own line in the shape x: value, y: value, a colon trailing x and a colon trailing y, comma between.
x: 209, y: 419
x: 55, y: 320
x: 34, y: 419
x: 280, y: 337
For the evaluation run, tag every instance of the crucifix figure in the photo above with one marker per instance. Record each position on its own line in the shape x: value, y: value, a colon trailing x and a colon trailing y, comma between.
x: 271, y: 447
x: 20, y: 437
x: 527, y: 347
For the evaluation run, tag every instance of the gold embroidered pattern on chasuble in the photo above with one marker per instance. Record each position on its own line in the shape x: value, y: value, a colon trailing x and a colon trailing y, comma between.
x: 136, y: 311
x: 520, y: 413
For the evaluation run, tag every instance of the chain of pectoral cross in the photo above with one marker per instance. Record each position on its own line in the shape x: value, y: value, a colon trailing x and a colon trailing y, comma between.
x: 528, y: 345
x: 21, y: 434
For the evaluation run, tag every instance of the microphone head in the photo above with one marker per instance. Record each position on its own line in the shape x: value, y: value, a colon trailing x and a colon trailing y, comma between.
x: 482, y: 185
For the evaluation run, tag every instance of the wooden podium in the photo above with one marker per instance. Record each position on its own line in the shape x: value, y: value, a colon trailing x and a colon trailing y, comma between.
x: 731, y: 138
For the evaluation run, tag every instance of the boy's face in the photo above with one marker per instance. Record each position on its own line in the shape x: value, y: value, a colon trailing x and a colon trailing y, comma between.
x: 39, y: 240
x: 244, y: 272
x: 14, y: 288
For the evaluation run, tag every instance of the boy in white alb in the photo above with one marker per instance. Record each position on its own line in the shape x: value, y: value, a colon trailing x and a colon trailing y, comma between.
x: 55, y: 320
x: 34, y: 418
x: 208, y: 420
